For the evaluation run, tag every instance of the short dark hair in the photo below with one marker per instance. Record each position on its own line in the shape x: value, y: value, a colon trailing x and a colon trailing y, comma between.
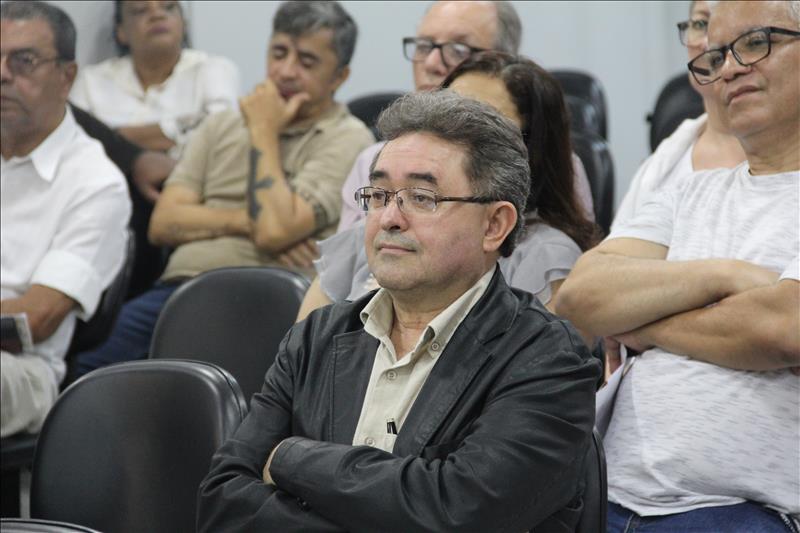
x: 64, y: 35
x: 496, y: 161
x: 298, y: 17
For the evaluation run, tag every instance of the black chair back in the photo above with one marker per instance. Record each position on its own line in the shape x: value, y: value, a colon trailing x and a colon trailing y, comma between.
x: 583, y: 85
x: 595, y: 155
x: 367, y: 108
x: 232, y: 317
x: 29, y: 525
x: 125, y: 447
x: 583, y: 117
x: 595, y: 496
x: 676, y: 102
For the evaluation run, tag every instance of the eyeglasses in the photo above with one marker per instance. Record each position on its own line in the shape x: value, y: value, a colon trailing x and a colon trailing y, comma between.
x: 747, y: 49
x: 692, y: 32
x: 411, y: 200
x: 24, y: 62
x: 417, y: 50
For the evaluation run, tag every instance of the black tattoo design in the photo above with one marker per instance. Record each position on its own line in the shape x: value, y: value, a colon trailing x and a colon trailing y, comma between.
x: 254, y: 184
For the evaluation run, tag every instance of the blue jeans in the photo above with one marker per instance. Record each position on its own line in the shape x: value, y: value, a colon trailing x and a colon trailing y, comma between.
x: 130, y: 337
x: 745, y: 517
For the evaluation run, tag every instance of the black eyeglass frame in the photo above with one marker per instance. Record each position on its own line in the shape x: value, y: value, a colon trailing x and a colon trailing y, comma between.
x: 768, y: 30
x: 365, y: 192
x: 683, y: 28
x: 38, y: 62
x: 434, y: 46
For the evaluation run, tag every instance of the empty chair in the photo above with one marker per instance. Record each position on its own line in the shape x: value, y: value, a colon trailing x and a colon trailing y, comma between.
x: 583, y: 116
x: 233, y: 317
x: 584, y: 85
x: 596, y: 158
x: 368, y: 107
x: 125, y: 447
x: 595, y: 495
x: 676, y: 102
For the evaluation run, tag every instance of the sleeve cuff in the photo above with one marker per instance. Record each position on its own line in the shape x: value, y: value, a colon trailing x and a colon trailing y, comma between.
x: 73, y: 276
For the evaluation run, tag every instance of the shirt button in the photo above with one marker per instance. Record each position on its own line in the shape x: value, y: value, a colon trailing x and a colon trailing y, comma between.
x: 391, y: 375
x: 435, y: 346
x: 369, y: 441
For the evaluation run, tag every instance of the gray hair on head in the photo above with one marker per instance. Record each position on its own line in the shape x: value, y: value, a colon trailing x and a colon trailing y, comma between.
x: 64, y: 35
x: 298, y: 17
x: 509, y: 28
x: 496, y: 161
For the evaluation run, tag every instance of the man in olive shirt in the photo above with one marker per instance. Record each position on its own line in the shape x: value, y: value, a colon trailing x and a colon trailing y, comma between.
x: 249, y: 185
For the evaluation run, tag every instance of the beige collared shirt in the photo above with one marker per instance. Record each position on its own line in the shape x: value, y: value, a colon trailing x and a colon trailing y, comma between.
x: 395, y: 382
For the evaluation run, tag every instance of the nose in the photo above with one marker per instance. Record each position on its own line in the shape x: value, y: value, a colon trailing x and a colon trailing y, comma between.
x: 392, y: 219
x: 155, y: 10
x: 731, y: 68
x: 434, y: 63
x: 287, y: 67
x: 5, y: 73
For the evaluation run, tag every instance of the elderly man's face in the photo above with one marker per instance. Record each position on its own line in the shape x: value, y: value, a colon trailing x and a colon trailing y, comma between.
x: 470, y: 23
x: 425, y: 251
x: 765, y: 95
x: 32, y: 101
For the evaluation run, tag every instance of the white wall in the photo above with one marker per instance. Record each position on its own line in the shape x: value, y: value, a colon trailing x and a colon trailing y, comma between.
x: 631, y: 47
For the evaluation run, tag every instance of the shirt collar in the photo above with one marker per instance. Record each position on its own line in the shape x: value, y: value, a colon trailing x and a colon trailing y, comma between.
x: 46, y: 156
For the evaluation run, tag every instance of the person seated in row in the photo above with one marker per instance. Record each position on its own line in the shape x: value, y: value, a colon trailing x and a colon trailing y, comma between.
x: 157, y: 91
x: 445, y: 401
x: 556, y: 232
x: 64, y: 209
x: 247, y: 187
x: 704, y: 280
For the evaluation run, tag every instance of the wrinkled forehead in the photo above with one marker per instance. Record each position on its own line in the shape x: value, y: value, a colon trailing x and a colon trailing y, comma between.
x: 730, y: 18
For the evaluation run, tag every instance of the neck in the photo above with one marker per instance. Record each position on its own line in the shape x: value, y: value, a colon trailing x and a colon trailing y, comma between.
x: 154, y: 68
x: 15, y: 142
x: 773, y: 151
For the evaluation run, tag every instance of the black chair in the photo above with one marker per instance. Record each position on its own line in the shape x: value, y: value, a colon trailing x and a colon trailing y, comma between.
x: 126, y: 446
x: 583, y: 116
x: 367, y: 108
x: 233, y: 317
x: 584, y: 85
x: 676, y: 102
x: 29, y: 525
x: 595, y: 155
x: 595, y: 496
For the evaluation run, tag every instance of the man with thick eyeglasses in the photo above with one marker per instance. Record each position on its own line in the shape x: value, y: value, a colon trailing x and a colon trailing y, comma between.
x: 444, y: 401
x: 704, y: 282
x: 64, y: 209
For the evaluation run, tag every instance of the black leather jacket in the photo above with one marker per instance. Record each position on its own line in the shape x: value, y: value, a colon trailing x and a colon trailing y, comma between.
x: 495, y: 441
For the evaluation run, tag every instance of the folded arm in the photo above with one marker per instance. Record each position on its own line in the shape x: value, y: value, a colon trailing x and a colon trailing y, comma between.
x: 46, y: 309
x: 147, y: 136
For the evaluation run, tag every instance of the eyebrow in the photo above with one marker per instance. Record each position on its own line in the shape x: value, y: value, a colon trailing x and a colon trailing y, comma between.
x: 427, y: 177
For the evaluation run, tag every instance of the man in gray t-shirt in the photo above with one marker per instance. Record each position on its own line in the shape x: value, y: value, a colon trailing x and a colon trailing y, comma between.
x: 704, y: 282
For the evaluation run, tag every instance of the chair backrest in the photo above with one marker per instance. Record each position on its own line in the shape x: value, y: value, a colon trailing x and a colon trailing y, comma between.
x: 595, y: 495
x: 233, y: 317
x: 676, y: 102
x: 30, y: 525
x: 584, y: 85
x: 583, y: 116
x: 595, y: 155
x: 368, y: 107
x: 125, y: 447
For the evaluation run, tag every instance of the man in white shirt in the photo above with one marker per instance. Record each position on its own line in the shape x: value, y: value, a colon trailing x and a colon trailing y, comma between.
x: 65, y: 208
x: 704, y: 281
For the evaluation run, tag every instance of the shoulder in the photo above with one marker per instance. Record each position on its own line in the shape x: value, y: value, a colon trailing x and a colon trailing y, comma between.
x: 224, y: 123
x: 342, y: 122
x: 538, y: 255
x: 85, y: 157
x: 108, y: 68
x: 199, y: 59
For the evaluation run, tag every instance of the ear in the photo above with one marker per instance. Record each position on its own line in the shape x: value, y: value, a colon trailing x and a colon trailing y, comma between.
x: 339, y: 77
x: 122, y: 37
x: 68, y: 73
x: 501, y: 217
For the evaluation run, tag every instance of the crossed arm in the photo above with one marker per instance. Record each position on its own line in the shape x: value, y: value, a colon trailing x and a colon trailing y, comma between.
x: 45, y: 307
x: 724, y: 311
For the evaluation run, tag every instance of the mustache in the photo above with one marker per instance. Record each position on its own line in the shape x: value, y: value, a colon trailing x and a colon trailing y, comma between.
x: 384, y: 238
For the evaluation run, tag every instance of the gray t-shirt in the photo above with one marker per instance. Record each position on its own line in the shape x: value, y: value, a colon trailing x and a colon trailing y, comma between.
x: 686, y: 434
x: 543, y: 256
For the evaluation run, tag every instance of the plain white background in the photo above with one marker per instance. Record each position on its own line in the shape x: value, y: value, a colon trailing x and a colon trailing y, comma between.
x: 631, y: 47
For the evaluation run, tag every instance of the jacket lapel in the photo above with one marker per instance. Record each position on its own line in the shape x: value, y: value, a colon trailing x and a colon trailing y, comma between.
x: 353, y: 357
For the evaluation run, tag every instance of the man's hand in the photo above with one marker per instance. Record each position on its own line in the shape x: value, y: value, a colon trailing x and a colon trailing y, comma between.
x: 635, y: 340
x: 268, y: 478
x: 744, y: 276
x: 267, y: 113
x: 150, y: 170
x: 613, y: 358
x: 300, y: 255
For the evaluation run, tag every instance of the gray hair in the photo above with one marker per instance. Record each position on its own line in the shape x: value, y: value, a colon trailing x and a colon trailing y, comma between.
x: 496, y: 160
x: 298, y: 17
x: 509, y: 28
x: 64, y: 35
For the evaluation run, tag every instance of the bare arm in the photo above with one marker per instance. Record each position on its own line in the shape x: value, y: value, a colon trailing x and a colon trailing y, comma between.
x: 147, y: 136
x: 179, y: 217
x: 46, y: 309
x: 624, y: 284
x: 758, y: 329
x: 314, y: 299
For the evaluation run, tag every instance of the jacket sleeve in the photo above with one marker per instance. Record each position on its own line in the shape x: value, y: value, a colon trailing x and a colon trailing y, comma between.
x: 233, y: 496
x: 521, y: 461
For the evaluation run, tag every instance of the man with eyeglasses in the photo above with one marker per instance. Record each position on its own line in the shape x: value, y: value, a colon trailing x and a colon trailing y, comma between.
x: 444, y: 401
x: 64, y: 209
x: 704, y: 282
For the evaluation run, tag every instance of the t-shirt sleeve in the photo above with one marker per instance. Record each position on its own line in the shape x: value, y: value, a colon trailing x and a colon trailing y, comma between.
x: 319, y: 180
x: 792, y: 271
x: 653, y: 221
x: 338, y: 262
x: 221, y: 81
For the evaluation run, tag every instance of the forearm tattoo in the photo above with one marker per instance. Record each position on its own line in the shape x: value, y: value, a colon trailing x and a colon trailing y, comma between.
x: 254, y: 184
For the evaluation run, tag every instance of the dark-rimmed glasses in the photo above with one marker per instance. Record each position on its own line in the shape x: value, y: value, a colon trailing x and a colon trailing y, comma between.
x: 692, y: 32
x: 748, y: 49
x: 417, y: 50
x: 410, y: 200
x: 24, y: 62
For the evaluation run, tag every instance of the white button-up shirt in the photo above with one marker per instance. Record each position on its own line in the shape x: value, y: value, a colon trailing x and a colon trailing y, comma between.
x: 64, y: 210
